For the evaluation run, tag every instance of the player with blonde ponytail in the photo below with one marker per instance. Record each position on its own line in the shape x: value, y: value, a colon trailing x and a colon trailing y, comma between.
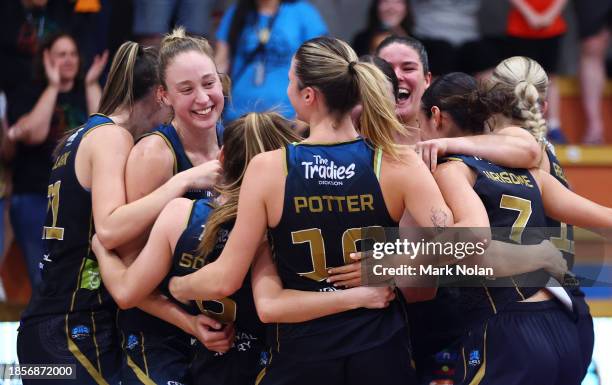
x: 299, y: 194
x: 523, y: 82
x: 189, y: 234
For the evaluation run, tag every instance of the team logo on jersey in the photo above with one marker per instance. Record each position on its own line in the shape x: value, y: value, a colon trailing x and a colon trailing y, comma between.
x: 474, y: 358
x: 79, y: 332
x: 264, y: 357
x: 174, y: 383
x: 132, y: 342
x: 327, y: 172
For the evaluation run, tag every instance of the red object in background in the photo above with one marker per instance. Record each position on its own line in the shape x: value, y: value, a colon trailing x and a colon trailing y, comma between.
x: 518, y: 26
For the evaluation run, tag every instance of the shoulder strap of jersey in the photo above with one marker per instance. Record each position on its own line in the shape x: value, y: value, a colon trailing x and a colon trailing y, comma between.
x: 555, y: 166
x: 169, y: 136
x: 467, y: 159
x: 289, y: 156
x: 377, y: 155
x: 95, y: 121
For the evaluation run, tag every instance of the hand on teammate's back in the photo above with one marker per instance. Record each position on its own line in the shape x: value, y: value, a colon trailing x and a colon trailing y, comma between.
x: 430, y: 150
x: 347, y: 275
x: 556, y: 264
x: 374, y: 297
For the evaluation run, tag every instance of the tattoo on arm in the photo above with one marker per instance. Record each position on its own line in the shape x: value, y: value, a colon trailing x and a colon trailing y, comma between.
x: 438, y: 219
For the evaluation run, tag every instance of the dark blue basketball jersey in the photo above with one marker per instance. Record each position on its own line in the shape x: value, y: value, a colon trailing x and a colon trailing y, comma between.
x: 332, y: 193
x: 239, y: 307
x: 181, y: 161
x: 513, y: 203
x: 135, y: 319
x: 70, y: 275
x: 563, y: 238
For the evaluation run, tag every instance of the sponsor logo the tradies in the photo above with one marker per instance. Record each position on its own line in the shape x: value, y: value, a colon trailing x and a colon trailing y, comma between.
x: 327, y: 172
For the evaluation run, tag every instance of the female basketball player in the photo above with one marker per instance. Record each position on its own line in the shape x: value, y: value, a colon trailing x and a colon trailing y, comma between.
x: 523, y: 85
x: 493, y: 312
x: 175, y: 249
x: 71, y: 318
x: 311, y: 195
x: 193, y: 89
x: 411, y: 65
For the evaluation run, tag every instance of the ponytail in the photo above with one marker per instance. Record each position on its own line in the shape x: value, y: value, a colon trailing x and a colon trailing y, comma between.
x: 523, y: 83
x: 243, y: 139
x: 378, y: 121
x: 330, y: 65
x: 528, y: 105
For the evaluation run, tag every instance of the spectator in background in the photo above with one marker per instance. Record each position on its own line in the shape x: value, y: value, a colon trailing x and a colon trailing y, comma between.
x: 594, y: 27
x: 386, y: 17
x: 256, y: 41
x: 24, y: 24
x: 40, y: 115
x: 535, y: 29
x: 344, y: 18
x: 450, y: 32
x: 152, y: 19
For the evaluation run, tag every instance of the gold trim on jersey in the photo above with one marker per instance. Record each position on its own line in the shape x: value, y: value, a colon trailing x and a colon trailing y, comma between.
x: 518, y: 290
x: 77, y: 285
x: 260, y: 376
x: 285, y: 161
x: 453, y: 158
x: 95, y: 341
x: 490, y: 299
x: 139, y: 373
x: 481, y: 371
x: 263, y: 371
x: 144, y: 355
x: 277, y: 339
x: 378, y: 153
x: 74, y: 349
x: 464, y: 363
x: 161, y: 135
x: 90, y: 129
x: 193, y: 201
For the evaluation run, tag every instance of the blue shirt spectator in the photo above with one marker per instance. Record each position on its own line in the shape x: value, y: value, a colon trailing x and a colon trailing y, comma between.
x: 259, y: 72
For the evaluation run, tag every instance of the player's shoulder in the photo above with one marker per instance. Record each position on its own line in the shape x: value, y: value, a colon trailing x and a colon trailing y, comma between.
x: 453, y: 167
x: 176, y: 213
x: 153, y: 150
x: 269, y: 160
x: 405, y: 160
x: 108, y: 136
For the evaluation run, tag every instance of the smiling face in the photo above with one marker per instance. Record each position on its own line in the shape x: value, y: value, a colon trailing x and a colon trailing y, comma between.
x: 65, y: 55
x: 412, y: 80
x: 194, y: 90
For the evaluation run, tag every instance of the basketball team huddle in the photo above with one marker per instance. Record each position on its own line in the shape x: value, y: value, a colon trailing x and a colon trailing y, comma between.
x: 180, y: 250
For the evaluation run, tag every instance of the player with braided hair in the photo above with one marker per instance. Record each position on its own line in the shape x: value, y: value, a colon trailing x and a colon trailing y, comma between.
x: 520, y: 82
